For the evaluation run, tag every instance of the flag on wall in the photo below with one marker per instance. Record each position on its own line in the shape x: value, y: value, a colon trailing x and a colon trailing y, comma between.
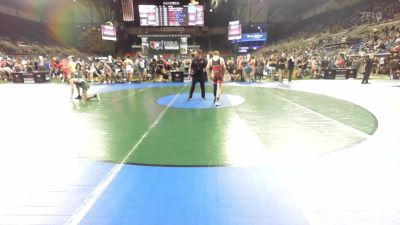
x: 127, y: 10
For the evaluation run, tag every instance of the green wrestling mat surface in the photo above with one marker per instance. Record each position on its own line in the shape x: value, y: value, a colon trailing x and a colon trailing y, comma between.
x: 270, y: 121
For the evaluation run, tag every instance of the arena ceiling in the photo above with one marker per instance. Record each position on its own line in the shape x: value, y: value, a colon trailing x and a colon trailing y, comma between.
x: 300, y: 5
x: 266, y: 11
x: 249, y: 11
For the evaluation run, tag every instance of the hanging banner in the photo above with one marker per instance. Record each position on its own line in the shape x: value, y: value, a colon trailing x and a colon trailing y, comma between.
x: 127, y: 10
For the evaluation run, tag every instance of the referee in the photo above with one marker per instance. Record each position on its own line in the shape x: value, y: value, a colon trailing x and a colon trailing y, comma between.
x: 196, y: 69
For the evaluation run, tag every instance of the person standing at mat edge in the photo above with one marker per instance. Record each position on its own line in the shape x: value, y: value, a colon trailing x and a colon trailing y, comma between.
x: 290, y: 68
x: 217, y: 67
x: 368, y: 68
x: 197, y: 69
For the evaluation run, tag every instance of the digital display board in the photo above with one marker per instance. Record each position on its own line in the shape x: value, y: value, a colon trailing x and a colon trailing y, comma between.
x: 247, y: 49
x: 250, y: 37
x: 171, y: 16
x: 108, y: 32
x: 234, y: 30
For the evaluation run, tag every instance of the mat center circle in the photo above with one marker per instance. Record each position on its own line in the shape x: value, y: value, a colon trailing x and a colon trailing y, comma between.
x: 197, y: 102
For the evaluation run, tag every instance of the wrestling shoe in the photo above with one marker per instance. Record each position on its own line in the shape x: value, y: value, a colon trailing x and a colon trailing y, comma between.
x: 217, y: 102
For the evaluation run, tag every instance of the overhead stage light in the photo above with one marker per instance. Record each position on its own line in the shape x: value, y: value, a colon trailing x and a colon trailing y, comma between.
x: 193, y: 2
x: 217, y: 4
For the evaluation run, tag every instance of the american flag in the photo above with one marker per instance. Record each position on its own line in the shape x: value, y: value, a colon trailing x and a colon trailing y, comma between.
x: 127, y: 10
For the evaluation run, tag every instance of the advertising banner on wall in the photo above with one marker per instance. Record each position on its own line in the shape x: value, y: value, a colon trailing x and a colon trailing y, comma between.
x: 145, y: 46
x: 184, y: 46
x: 163, y: 45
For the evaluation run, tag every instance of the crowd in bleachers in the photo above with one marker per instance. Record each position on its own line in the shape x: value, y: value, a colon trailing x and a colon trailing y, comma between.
x: 96, y: 69
x: 366, y: 12
x: 337, y: 39
x: 343, y: 39
x: 25, y: 56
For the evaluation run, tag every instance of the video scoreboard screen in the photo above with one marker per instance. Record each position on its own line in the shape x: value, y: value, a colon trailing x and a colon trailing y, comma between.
x: 171, y: 16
